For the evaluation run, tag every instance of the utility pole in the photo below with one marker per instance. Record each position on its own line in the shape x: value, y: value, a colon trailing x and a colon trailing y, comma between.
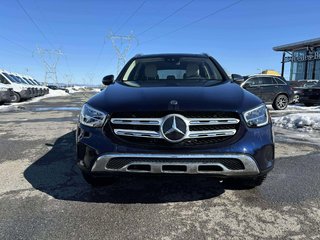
x: 122, y: 45
x: 50, y: 59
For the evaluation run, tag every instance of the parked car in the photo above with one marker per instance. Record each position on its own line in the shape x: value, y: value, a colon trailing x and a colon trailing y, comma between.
x: 174, y: 114
x: 6, y: 93
x: 56, y: 87
x: 310, y: 95
x: 271, y: 89
x: 298, y: 86
x: 21, y: 90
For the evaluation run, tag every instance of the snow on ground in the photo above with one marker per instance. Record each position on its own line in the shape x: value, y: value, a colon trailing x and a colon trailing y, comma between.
x: 300, y: 121
x: 82, y: 89
x: 295, y: 108
x: 15, y: 106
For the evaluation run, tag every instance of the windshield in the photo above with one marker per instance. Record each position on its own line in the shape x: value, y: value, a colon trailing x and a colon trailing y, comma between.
x: 310, y: 84
x: 28, y: 81
x: 36, y: 82
x: 21, y: 80
x: 172, y: 69
x: 11, y: 78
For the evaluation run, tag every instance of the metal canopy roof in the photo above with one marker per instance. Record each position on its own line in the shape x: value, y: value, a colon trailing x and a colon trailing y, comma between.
x: 292, y: 46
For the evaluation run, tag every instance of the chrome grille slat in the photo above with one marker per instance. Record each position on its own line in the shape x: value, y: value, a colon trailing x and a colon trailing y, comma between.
x: 196, y: 127
x: 137, y: 121
x: 214, y: 133
x: 212, y: 121
x: 137, y: 133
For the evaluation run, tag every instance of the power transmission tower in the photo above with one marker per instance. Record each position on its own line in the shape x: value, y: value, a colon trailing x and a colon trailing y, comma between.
x: 50, y: 59
x: 68, y: 78
x: 122, y: 45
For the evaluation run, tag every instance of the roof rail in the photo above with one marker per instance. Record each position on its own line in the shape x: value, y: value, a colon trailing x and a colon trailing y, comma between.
x: 205, y: 54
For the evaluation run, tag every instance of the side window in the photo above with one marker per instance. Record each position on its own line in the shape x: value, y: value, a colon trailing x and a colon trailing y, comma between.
x: 3, y: 80
x: 278, y: 81
x: 266, y: 80
x: 253, y: 81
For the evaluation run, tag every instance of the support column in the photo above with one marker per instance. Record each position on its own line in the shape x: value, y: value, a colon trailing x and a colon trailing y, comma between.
x: 282, y: 68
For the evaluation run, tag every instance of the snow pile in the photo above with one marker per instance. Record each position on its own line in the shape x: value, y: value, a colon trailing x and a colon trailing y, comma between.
x: 16, y: 106
x: 300, y: 121
x: 54, y: 93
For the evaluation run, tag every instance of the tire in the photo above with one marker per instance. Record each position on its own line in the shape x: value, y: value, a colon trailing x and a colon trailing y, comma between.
x: 16, y: 97
x: 244, y: 183
x: 308, y: 104
x: 281, y: 102
x: 296, y: 98
x: 97, y: 181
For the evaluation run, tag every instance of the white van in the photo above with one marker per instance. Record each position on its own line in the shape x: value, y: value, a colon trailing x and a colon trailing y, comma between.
x: 6, y: 93
x: 35, y: 90
x: 46, y: 89
x: 42, y: 89
x: 21, y: 90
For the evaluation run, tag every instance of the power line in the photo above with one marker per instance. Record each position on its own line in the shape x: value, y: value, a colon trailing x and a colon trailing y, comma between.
x: 164, y: 19
x: 52, y: 30
x: 15, y: 43
x: 131, y: 16
x: 34, y: 23
x: 195, y: 21
x: 99, y: 54
x: 119, y: 28
x: 42, y: 32
x: 20, y: 46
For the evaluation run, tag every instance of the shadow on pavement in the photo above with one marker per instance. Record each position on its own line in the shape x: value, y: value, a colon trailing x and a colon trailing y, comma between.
x: 57, y: 174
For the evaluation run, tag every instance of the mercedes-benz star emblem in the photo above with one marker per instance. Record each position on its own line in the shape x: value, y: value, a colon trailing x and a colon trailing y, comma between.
x: 174, y: 128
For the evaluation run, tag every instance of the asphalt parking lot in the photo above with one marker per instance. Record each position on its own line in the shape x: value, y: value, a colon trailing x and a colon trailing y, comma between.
x: 43, y: 196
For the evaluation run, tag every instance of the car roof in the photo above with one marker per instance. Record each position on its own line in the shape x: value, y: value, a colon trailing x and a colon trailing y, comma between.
x: 171, y: 55
x: 264, y: 75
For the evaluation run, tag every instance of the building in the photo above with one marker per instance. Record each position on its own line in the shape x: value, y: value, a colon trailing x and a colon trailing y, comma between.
x: 304, y: 58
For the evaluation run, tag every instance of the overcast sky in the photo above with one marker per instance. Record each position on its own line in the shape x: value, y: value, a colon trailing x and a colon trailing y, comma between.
x: 239, y: 34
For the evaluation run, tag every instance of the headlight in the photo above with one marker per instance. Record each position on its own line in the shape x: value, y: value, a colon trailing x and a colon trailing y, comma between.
x: 257, y: 117
x: 92, y: 117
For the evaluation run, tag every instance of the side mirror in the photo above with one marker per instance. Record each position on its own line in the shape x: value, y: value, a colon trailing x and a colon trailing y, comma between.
x: 237, y: 78
x: 107, y: 80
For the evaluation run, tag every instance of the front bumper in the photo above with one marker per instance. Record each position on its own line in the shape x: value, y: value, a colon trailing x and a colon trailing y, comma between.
x: 176, y: 163
x: 26, y: 94
x: 5, y: 96
x: 254, y: 150
x: 312, y: 100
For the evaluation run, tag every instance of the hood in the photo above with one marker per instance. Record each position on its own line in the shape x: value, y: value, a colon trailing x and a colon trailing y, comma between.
x: 226, y: 96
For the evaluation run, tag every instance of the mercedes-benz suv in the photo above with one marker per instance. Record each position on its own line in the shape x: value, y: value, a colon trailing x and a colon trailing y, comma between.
x: 174, y: 114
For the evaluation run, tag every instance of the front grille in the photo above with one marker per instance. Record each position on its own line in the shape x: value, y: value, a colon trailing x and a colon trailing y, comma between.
x: 120, y: 162
x: 146, y: 128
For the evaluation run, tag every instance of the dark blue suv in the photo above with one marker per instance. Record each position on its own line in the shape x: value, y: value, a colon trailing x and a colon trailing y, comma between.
x: 174, y: 114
